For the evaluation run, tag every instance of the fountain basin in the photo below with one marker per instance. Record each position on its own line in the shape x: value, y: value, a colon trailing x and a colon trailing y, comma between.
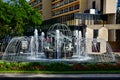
x: 58, y: 46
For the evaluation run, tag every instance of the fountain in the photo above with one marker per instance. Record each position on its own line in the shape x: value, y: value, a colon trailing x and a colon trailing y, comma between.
x: 34, y: 45
x: 59, y: 45
x: 80, y: 50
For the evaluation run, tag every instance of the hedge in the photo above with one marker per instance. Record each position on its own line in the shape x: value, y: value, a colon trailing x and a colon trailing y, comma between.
x: 58, y: 66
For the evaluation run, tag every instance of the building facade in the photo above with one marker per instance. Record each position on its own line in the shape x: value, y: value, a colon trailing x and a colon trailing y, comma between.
x: 78, y: 14
x: 63, y: 9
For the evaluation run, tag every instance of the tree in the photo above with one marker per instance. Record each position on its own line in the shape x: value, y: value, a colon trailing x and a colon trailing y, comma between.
x: 18, y: 16
x: 5, y: 19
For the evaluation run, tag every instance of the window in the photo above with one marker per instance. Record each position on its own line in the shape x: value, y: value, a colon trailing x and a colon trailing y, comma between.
x: 53, y: 0
x: 95, y: 33
x: 93, y: 5
x: 117, y: 35
x: 71, y: 0
x: 40, y: 7
x: 71, y: 8
x: 66, y: 1
x: 77, y: 6
x: 66, y: 10
x: 101, y: 5
x: 61, y: 11
x: 39, y: 1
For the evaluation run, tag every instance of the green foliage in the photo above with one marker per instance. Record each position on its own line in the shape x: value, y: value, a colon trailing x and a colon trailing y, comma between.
x: 3, y: 30
x: 15, y: 16
x: 80, y: 67
x: 33, y: 66
x: 58, y: 66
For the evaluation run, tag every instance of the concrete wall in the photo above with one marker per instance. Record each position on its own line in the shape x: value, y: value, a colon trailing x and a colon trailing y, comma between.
x: 112, y: 35
x: 114, y: 45
x: 97, y: 4
x: 46, y: 9
x: 89, y: 43
x: 102, y: 34
x: 110, y: 6
x: 83, y: 5
x: 111, y: 19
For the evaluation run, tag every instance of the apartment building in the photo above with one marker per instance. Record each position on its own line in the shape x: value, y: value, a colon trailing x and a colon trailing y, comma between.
x: 97, y: 15
x: 64, y: 9
x: 44, y: 7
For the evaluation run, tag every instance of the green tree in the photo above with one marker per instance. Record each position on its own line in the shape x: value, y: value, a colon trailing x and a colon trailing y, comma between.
x: 5, y: 19
x: 25, y: 17
x: 17, y: 16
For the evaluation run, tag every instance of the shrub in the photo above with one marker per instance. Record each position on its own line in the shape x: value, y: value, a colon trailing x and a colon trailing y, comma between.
x: 58, y: 66
x: 33, y: 66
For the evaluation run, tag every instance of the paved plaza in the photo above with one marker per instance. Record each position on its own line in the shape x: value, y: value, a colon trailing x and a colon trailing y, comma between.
x: 27, y: 75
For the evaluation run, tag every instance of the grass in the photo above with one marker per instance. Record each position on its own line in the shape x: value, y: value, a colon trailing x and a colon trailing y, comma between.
x: 64, y: 72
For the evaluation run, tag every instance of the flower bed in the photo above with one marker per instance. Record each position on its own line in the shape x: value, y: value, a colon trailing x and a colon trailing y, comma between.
x: 36, y: 66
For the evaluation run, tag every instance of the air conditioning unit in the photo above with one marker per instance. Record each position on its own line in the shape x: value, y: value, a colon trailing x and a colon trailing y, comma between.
x: 92, y: 11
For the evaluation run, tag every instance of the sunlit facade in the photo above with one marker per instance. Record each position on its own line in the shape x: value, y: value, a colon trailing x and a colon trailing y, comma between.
x: 63, y: 10
x: 85, y: 15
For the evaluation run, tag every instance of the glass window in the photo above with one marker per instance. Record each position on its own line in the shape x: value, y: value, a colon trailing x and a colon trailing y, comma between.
x: 77, y: 6
x: 95, y: 33
x: 66, y: 10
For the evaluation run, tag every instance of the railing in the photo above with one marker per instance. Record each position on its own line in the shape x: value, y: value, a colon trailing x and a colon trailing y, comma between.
x: 62, y: 3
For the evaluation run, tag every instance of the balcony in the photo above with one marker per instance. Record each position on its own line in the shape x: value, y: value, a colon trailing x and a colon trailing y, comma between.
x: 66, y: 13
x: 59, y: 3
x: 31, y: 1
x: 63, y: 5
x: 36, y: 3
x: 55, y: 1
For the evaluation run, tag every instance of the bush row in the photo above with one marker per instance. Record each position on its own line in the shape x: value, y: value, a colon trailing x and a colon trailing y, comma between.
x: 58, y: 66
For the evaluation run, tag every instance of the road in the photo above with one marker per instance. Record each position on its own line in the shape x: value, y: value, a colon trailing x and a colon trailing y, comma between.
x: 26, y: 76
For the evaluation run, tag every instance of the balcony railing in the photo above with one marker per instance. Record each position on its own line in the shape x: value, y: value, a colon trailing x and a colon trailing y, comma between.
x: 36, y: 2
x: 68, y: 9
x: 64, y: 2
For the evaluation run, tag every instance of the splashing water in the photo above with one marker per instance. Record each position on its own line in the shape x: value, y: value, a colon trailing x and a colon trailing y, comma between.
x: 60, y: 46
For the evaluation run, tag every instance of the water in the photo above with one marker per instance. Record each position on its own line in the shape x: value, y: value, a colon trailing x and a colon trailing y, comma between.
x: 32, y: 46
x: 42, y: 41
x: 58, y: 46
x: 36, y: 41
